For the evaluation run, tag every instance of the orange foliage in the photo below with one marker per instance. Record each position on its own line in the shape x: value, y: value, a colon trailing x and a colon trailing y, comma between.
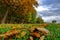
x: 22, y: 6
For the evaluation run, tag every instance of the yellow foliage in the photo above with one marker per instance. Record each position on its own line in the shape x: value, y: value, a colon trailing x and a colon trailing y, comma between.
x: 21, y: 34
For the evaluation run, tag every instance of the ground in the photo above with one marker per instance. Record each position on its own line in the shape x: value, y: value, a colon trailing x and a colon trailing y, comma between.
x: 53, y: 28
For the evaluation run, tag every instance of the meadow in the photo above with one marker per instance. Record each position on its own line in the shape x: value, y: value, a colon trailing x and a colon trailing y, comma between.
x: 54, y: 30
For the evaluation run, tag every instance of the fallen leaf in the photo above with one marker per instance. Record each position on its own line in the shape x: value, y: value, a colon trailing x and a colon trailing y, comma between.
x: 35, y: 34
x: 42, y: 38
x: 23, y: 33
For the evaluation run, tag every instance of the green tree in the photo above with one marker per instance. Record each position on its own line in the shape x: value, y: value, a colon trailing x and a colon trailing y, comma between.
x: 53, y: 21
x: 40, y: 20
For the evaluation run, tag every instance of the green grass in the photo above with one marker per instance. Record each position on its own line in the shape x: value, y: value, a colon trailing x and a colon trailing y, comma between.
x: 54, y: 32
x: 53, y: 28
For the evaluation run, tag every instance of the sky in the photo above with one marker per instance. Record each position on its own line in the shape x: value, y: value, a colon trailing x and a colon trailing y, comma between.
x: 49, y: 10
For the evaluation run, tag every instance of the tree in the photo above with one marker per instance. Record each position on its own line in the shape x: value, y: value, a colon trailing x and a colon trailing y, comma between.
x: 30, y: 18
x: 53, y: 21
x: 39, y: 20
x: 33, y: 18
x: 19, y: 7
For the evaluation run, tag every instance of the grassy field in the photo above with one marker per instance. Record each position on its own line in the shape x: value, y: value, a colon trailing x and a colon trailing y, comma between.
x: 54, y: 32
x: 53, y: 28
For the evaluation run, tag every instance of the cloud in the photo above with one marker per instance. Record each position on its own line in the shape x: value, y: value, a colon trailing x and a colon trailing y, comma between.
x: 49, y: 9
x: 50, y: 18
x: 41, y: 8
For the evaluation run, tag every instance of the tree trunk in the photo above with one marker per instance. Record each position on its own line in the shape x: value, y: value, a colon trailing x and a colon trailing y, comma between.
x: 4, y: 18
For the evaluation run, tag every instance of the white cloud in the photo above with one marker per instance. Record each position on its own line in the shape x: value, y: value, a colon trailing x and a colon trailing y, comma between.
x: 41, y: 8
x: 50, y: 18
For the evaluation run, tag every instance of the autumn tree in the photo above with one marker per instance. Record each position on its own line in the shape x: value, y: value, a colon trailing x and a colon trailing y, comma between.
x: 19, y: 7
